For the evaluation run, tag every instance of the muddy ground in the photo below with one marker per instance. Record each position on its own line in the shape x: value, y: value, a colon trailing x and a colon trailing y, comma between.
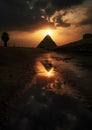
x: 32, y: 99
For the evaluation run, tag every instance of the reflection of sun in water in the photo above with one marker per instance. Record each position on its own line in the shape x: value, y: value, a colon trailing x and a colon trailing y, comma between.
x: 50, y: 73
x: 48, y: 32
x: 43, y: 72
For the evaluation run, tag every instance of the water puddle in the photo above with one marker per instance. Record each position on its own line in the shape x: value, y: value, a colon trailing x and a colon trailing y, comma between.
x: 50, y: 101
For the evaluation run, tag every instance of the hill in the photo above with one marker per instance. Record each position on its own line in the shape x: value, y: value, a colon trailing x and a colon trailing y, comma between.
x: 84, y: 45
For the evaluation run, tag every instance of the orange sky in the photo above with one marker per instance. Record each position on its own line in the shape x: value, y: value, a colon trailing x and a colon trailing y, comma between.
x: 60, y: 36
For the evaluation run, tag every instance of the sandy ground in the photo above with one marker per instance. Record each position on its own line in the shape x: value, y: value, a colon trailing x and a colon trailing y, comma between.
x: 32, y: 100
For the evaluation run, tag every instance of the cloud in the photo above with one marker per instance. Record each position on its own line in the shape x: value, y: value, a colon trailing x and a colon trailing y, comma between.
x: 51, y: 6
x: 57, y: 18
x: 75, y: 16
x: 88, y: 19
x: 60, y: 22
x: 33, y: 14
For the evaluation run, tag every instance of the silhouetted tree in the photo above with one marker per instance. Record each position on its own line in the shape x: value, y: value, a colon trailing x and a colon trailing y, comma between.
x: 5, y: 38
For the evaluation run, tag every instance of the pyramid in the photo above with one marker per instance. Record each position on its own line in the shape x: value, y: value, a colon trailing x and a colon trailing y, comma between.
x: 47, y: 43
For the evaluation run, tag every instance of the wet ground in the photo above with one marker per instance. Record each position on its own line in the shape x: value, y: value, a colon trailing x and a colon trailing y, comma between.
x: 56, y: 100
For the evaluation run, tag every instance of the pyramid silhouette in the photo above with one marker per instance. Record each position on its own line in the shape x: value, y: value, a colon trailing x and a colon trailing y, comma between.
x: 47, y: 43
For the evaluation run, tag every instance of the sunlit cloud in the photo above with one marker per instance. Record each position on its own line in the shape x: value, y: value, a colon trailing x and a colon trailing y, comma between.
x: 73, y: 15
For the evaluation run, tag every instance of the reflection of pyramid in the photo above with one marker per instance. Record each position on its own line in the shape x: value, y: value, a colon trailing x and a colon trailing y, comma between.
x: 47, y: 43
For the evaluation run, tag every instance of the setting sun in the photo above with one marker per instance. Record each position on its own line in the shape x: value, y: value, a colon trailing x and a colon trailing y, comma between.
x: 48, y: 32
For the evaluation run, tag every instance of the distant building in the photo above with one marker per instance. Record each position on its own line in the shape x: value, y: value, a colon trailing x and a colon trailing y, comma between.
x: 47, y: 43
x: 87, y: 35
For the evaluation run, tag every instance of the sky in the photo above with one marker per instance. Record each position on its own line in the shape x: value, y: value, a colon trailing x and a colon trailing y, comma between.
x: 27, y: 21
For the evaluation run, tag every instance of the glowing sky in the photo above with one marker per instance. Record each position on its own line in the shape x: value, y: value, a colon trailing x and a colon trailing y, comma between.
x: 27, y: 21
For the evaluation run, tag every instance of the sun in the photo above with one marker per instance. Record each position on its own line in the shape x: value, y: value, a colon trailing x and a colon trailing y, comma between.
x: 48, y: 32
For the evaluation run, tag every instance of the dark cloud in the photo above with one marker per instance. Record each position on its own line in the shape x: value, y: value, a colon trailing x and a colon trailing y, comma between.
x: 88, y: 14
x: 32, y: 14
x: 13, y: 14
x: 87, y: 21
x: 65, y: 3
x: 60, y: 22
x: 51, y: 6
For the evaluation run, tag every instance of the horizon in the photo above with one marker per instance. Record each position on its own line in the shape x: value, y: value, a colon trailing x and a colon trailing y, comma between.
x: 21, y: 43
x: 28, y: 22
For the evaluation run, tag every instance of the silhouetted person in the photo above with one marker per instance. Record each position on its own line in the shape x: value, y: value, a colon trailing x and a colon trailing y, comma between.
x: 5, y: 38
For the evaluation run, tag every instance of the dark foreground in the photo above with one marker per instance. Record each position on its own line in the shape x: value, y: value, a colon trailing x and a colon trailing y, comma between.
x: 37, y: 101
